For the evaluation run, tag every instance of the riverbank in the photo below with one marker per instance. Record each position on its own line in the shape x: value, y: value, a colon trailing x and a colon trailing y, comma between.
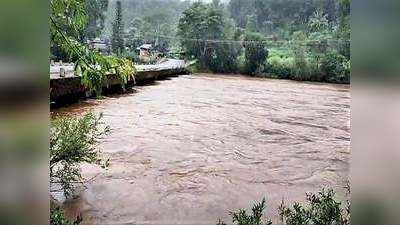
x: 277, y: 76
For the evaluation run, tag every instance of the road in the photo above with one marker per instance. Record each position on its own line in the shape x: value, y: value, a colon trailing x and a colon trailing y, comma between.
x: 69, y: 68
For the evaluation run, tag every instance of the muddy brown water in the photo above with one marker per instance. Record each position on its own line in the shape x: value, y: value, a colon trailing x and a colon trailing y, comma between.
x: 189, y: 149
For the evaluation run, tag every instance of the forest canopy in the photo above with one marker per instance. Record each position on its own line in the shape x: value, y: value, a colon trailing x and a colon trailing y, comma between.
x: 290, y: 39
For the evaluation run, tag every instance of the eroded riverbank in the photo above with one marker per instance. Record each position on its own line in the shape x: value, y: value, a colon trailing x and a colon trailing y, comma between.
x: 189, y: 149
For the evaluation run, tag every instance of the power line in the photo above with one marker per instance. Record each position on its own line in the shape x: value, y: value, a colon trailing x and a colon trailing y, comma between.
x: 270, y: 40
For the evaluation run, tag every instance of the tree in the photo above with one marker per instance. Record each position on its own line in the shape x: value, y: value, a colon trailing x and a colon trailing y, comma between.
x: 301, y: 69
x: 203, y: 31
x: 165, y: 12
x: 307, y: 9
x: 344, y: 32
x: 318, y: 22
x: 255, y: 49
x: 117, y: 41
x: 330, y: 10
x: 96, y: 16
x: 251, y: 25
x: 239, y: 10
x: 255, y: 52
x: 134, y: 33
x: 67, y: 21
x: 226, y: 53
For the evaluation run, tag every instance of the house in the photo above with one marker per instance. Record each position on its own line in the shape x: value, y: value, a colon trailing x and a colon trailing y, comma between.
x: 145, y: 52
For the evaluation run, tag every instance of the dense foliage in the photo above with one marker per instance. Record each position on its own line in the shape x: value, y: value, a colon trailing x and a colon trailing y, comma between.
x: 68, y: 20
x: 147, y: 22
x: 321, y: 209
x: 57, y: 217
x: 215, y: 35
x: 312, y: 38
x: 207, y: 22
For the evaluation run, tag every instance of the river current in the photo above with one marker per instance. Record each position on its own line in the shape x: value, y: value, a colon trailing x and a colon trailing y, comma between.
x: 189, y: 149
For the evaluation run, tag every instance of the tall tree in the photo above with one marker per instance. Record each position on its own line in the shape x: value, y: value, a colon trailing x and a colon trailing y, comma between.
x: 117, y: 40
x: 203, y: 31
x: 307, y: 10
x: 95, y: 10
x: 330, y: 10
x: 251, y: 25
x: 134, y: 34
x: 240, y: 9
x: 344, y: 28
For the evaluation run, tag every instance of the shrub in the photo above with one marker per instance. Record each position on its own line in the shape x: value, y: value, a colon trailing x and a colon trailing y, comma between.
x: 72, y: 141
x: 241, y: 217
x: 301, y: 70
x: 316, y: 72
x: 255, y: 53
x: 280, y: 67
x: 57, y: 218
x: 336, y: 67
x: 322, y: 209
x: 242, y: 63
x: 224, y: 58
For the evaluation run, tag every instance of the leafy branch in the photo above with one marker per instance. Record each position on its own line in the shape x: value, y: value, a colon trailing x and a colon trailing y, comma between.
x: 73, y: 141
x: 68, y: 19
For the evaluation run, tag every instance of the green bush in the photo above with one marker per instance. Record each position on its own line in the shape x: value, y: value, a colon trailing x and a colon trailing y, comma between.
x: 73, y: 141
x: 336, y: 67
x: 280, y: 67
x: 317, y: 74
x: 241, y: 217
x: 303, y: 65
x: 301, y: 69
x: 57, y: 218
x: 321, y: 209
x: 242, y: 63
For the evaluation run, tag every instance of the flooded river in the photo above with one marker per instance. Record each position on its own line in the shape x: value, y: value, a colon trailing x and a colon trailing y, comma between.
x: 189, y: 149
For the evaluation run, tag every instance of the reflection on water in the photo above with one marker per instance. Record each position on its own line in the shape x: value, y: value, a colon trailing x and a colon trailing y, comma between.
x: 192, y: 148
